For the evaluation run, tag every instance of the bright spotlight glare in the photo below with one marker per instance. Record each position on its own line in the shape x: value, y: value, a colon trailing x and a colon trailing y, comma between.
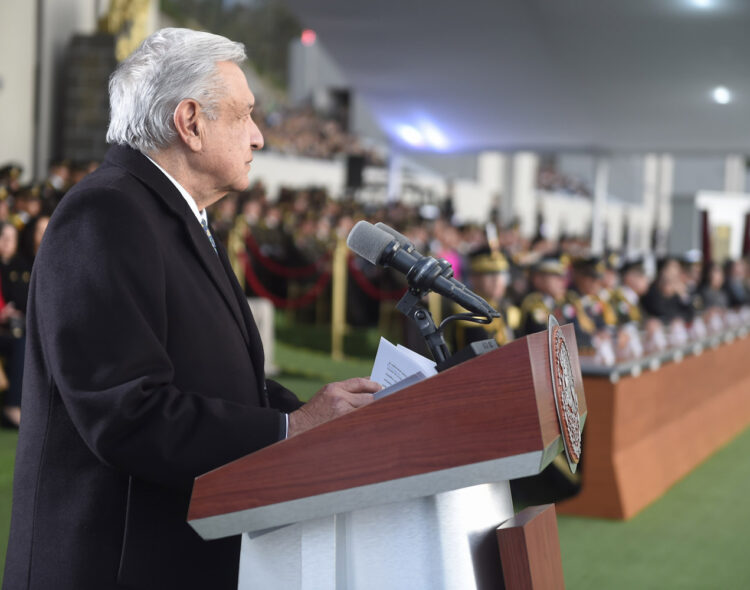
x: 721, y: 95
x: 703, y: 3
x: 410, y: 135
x: 434, y: 136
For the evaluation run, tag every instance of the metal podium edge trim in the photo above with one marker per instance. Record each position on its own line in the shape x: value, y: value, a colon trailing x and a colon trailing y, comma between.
x: 397, y: 490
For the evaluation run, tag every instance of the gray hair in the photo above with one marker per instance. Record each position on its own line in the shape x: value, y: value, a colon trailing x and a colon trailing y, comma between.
x: 169, y: 66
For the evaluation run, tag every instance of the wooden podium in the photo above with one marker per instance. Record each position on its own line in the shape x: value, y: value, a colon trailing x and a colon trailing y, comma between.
x: 404, y: 493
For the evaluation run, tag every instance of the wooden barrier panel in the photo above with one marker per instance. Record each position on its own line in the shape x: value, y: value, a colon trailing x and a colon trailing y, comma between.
x: 644, y: 433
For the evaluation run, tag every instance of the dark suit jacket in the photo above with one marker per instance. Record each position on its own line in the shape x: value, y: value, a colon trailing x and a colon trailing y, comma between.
x: 144, y: 369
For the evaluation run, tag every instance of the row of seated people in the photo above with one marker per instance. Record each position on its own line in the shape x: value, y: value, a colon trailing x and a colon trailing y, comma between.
x: 302, y: 227
x: 617, y: 311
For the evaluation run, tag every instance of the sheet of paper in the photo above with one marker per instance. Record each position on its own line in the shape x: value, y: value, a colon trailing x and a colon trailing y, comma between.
x: 393, y: 364
x: 427, y: 366
x: 404, y: 383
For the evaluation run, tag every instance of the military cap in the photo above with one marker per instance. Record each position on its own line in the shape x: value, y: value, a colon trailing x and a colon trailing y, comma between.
x: 592, y: 266
x: 551, y: 266
x: 485, y: 261
x: 635, y: 265
x: 11, y: 171
x: 612, y: 261
x: 30, y: 192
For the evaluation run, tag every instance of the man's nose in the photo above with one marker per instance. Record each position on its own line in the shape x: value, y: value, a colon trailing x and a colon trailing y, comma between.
x: 256, y: 138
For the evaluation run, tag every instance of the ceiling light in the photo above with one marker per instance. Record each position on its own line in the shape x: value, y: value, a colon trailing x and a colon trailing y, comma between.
x: 721, y: 95
x: 434, y: 136
x: 410, y: 135
x: 703, y: 3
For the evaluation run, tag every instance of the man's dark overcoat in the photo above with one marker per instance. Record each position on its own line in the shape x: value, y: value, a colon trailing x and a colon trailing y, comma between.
x: 144, y: 369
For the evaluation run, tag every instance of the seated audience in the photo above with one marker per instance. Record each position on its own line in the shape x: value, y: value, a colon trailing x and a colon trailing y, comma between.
x: 735, y: 276
x: 711, y: 289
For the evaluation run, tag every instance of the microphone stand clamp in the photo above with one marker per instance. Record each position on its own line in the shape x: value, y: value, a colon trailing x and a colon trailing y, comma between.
x: 411, y: 307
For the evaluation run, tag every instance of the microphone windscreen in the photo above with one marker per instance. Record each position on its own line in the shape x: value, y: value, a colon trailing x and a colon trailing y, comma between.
x: 368, y: 241
x: 400, y: 238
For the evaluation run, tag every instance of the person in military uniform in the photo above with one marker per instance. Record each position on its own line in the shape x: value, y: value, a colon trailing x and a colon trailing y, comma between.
x: 626, y: 299
x: 26, y: 206
x: 489, y: 274
x: 58, y: 181
x: 588, y: 276
x: 10, y: 177
x: 550, y: 296
x: 611, y: 275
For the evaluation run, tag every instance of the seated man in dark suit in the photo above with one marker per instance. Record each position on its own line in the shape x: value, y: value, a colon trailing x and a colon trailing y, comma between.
x: 144, y: 365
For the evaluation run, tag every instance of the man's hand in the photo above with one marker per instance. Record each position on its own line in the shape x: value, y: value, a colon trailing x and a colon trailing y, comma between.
x: 333, y: 400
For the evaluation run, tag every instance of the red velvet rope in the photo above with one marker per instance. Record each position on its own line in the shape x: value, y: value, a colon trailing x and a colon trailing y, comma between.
x: 312, y: 294
x: 371, y: 290
x: 280, y: 269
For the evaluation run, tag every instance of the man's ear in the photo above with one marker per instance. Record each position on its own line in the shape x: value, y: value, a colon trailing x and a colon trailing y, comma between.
x: 188, y: 123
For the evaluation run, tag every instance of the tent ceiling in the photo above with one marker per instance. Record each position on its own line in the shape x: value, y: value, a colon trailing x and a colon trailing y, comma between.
x: 632, y: 75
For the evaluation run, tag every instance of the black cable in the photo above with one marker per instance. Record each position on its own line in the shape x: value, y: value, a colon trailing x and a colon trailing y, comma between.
x: 467, y: 317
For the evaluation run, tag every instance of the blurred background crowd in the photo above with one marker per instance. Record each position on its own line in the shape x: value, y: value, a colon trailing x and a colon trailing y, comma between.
x: 623, y: 306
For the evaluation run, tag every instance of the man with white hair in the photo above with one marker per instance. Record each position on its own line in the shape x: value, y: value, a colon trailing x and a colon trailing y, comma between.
x: 144, y: 366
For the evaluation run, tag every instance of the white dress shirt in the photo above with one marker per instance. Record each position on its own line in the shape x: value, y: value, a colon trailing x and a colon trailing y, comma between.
x: 199, y: 215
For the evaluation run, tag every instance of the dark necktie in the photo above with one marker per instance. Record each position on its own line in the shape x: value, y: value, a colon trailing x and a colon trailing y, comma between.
x: 204, y: 224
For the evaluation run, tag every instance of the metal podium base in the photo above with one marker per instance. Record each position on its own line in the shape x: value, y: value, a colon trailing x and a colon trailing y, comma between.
x: 442, y: 542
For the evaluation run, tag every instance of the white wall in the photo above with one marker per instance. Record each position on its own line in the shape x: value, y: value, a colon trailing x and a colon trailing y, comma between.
x: 17, y: 59
x: 471, y: 201
x: 726, y: 209
x: 695, y: 173
x: 626, y: 178
x: 278, y: 170
x: 565, y: 214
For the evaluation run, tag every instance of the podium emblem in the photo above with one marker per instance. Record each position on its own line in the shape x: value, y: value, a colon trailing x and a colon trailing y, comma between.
x: 566, y: 398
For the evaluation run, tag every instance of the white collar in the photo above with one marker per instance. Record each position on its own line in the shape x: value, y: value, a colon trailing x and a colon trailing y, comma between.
x: 199, y: 215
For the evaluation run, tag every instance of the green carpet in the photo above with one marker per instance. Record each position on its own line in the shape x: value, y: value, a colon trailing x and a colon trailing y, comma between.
x: 695, y: 537
x: 7, y: 453
x: 304, y: 371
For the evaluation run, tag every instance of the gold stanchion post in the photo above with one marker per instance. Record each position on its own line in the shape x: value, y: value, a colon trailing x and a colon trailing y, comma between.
x: 338, y: 300
x: 435, y: 305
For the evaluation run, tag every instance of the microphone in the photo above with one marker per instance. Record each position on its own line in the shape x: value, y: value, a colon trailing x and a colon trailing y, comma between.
x: 406, y: 244
x: 410, y: 248
x: 422, y: 272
